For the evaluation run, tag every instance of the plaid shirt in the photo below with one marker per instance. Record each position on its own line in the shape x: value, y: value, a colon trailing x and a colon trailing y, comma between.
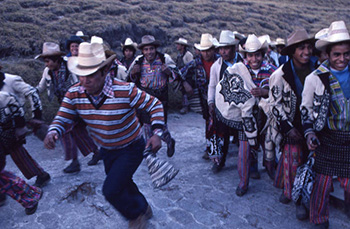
x: 106, y: 91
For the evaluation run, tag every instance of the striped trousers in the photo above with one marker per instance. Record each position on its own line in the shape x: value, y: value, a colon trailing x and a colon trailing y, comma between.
x: 243, y: 165
x: 319, y: 200
x: 28, y: 166
x: 18, y: 189
x: 77, y: 138
x: 287, y: 166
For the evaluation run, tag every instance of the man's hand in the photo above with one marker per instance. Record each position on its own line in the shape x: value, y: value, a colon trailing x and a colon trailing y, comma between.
x: 155, y: 142
x: 312, y: 141
x: 188, y: 88
x: 294, y: 134
x: 166, y: 70
x: 50, y: 139
x: 259, y: 92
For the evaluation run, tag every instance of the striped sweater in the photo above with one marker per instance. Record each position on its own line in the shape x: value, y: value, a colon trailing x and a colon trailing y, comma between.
x: 113, y: 124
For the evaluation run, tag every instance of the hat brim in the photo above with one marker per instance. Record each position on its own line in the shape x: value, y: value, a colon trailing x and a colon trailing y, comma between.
x: 49, y: 54
x: 200, y: 48
x: 322, y: 44
x: 263, y: 48
x: 286, y: 50
x: 182, y: 43
x: 73, y: 66
x: 155, y: 43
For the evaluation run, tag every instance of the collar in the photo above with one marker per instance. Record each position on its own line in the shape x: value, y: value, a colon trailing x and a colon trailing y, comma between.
x: 107, y: 88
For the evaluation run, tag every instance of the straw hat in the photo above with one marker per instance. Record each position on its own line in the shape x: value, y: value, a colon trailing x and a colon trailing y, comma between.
x: 253, y: 44
x: 206, y: 42
x: 50, y: 49
x: 148, y: 40
x: 337, y: 32
x: 296, y: 37
x: 238, y: 35
x: 227, y: 38
x: 182, y: 41
x: 90, y: 59
x: 82, y: 35
x: 129, y: 43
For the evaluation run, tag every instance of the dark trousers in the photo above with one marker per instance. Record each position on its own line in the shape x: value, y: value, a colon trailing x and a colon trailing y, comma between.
x: 119, y: 188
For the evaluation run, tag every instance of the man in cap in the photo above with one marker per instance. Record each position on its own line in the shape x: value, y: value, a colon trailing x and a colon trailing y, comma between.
x: 21, y: 91
x: 227, y: 49
x: 152, y: 72
x: 326, y: 121
x: 260, y: 72
x: 286, y: 85
x: 108, y: 107
x: 183, y: 58
x: 57, y: 79
x: 196, y: 74
x: 129, y: 50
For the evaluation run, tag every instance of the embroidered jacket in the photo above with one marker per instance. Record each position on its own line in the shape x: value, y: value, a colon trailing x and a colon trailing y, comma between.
x: 316, y: 99
x: 16, y: 86
x: 112, y: 123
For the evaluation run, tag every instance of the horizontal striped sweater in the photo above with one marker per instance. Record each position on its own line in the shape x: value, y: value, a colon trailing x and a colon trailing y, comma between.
x: 113, y: 124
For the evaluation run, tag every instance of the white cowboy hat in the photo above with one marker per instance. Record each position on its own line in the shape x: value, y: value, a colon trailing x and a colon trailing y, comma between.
x: 279, y: 41
x: 297, y: 36
x: 128, y: 42
x: 50, y: 49
x: 182, y: 41
x: 90, y: 59
x: 148, y: 40
x: 264, y: 38
x: 337, y: 32
x: 81, y: 35
x: 227, y: 38
x: 206, y: 42
x: 253, y: 44
x: 322, y: 34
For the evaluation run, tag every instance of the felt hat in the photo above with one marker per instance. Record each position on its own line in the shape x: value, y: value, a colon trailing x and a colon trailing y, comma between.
x: 205, y: 43
x: 182, y: 41
x: 73, y: 39
x: 337, y: 32
x: 227, y: 38
x: 253, y: 44
x: 129, y: 43
x: 296, y: 37
x: 148, y: 40
x: 50, y: 49
x: 90, y: 59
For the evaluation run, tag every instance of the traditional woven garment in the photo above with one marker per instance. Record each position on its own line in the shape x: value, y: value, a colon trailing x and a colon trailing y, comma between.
x: 333, y: 158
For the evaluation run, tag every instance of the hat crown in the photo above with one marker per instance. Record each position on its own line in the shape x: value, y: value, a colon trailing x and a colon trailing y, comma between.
x: 227, y: 37
x: 80, y: 34
x: 297, y: 36
x: 322, y: 34
x: 252, y: 44
x: 337, y: 32
x: 182, y: 40
x: 128, y: 42
x: 264, y: 38
x: 50, y: 48
x: 280, y: 41
x: 147, y: 39
x: 91, y: 54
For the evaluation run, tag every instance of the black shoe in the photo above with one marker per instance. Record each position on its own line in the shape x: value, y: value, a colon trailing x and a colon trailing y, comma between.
x: 324, y: 225
x: 301, y: 212
x: 95, y: 158
x: 73, y: 167
x: 42, y: 180
x: 217, y: 167
x: 240, y: 192
x: 283, y: 199
x: 171, y: 148
x: 2, y: 199
x: 32, y: 210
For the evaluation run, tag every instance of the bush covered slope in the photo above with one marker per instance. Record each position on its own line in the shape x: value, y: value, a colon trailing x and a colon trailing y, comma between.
x: 26, y: 24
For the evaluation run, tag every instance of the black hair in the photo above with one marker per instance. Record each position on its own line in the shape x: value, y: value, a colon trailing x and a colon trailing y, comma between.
x: 294, y: 47
x: 54, y: 58
x: 329, y: 47
x: 129, y: 47
x: 2, y: 78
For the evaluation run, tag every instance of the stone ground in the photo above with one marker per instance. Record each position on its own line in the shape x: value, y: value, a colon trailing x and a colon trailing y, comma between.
x: 196, y: 198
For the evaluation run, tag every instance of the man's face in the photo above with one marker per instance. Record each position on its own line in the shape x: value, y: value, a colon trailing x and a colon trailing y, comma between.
x: 254, y: 59
x: 74, y: 49
x: 302, y: 54
x: 149, y: 51
x: 128, y: 53
x: 52, y: 65
x: 339, y: 56
x: 227, y: 53
x: 180, y: 48
x: 93, y: 83
x: 208, y: 55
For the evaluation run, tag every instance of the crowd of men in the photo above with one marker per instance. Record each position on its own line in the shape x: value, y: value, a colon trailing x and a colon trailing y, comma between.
x: 287, y: 99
